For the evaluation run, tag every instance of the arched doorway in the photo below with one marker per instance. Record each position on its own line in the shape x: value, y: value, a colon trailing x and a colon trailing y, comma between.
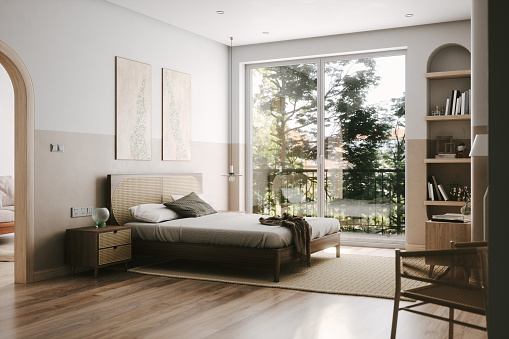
x: 24, y: 117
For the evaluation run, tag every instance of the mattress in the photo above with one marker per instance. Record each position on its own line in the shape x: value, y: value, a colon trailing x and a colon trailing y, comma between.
x: 229, y: 229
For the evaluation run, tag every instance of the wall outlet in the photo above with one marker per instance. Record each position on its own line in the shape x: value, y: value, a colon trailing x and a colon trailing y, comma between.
x: 75, y: 211
x: 83, y: 211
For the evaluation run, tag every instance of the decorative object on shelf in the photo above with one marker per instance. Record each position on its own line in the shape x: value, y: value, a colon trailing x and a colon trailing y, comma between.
x: 436, y: 111
x: 176, y: 115
x: 465, y: 210
x: 133, y: 103
x: 445, y: 145
x: 461, y: 150
x: 231, y: 175
x: 100, y: 216
x: 459, y: 192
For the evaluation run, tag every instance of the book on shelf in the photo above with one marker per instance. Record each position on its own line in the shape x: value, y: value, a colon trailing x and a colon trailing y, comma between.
x: 445, y: 156
x: 454, y: 97
x: 431, y: 196
x: 443, y: 192
x: 449, y: 217
x: 435, y: 188
x: 459, y: 103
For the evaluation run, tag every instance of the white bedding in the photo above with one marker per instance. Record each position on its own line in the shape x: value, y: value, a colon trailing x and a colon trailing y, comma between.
x: 230, y: 229
x: 7, y: 214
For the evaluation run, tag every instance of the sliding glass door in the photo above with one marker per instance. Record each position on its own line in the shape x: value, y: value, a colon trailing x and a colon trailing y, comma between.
x: 327, y: 139
x: 284, y: 139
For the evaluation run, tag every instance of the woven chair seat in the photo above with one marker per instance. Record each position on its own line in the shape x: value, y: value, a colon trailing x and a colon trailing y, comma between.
x: 463, y: 299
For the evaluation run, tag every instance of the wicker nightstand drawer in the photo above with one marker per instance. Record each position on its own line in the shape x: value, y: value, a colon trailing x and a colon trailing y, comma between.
x: 114, y: 238
x: 113, y: 254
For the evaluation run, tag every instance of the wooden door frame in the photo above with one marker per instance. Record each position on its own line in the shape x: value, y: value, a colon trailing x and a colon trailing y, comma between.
x: 24, y: 130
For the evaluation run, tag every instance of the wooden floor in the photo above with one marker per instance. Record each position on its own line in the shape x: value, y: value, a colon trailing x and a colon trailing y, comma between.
x: 127, y: 305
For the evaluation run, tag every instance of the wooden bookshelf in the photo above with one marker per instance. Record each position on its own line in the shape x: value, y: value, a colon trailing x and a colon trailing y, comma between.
x: 466, y: 73
x: 446, y: 72
x: 444, y: 203
x: 447, y: 161
x: 447, y: 117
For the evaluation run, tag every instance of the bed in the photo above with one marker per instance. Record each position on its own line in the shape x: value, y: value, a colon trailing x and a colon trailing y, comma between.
x: 6, y: 204
x: 232, y: 238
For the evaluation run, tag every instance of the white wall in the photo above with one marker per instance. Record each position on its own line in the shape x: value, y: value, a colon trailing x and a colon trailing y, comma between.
x: 69, y: 48
x: 6, y: 124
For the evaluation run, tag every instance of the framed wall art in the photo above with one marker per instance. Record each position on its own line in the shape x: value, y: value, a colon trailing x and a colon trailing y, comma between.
x: 133, y: 104
x: 176, y: 115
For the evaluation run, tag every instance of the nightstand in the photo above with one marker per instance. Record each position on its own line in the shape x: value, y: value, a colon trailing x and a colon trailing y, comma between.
x: 98, y: 247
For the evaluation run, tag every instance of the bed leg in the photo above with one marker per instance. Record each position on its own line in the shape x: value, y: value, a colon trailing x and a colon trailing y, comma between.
x: 337, y: 251
x: 277, y: 266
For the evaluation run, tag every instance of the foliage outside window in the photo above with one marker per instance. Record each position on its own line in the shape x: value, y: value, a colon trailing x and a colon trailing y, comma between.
x: 363, y: 140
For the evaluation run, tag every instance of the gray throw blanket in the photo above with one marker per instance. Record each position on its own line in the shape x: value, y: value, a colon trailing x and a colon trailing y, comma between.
x: 301, y: 232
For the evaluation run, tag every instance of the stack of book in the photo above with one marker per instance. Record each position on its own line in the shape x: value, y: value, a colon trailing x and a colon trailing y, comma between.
x: 459, y: 103
x: 449, y: 217
x: 436, y: 192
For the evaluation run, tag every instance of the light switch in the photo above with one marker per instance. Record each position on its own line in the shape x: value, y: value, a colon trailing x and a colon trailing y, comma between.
x: 60, y: 147
x: 53, y: 147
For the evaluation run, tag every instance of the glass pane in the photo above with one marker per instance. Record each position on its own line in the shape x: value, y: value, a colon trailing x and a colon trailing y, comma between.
x: 284, y: 144
x: 364, y: 138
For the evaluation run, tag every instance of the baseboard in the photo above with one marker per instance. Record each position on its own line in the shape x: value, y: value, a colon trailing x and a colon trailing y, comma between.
x: 371, y: 243
x: 413, y: 247
x: 51, y: 273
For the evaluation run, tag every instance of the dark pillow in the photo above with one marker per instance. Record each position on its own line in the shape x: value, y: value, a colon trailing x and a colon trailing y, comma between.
x: 190, y: 206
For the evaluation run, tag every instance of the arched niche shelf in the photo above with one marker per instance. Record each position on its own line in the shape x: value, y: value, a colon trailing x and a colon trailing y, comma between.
x: 449, y: 57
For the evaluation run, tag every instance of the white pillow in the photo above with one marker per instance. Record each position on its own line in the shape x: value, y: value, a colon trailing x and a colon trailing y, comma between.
x: 152, y: 213
x: 2, y: 195
x: 294, y: 195
x: 7, y: 187
x: 207, y: 198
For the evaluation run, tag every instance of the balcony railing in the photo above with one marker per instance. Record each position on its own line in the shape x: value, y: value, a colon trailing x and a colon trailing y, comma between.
x: 363, y: 201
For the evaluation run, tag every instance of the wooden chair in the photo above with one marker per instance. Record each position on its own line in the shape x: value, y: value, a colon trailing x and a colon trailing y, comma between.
x: 447, y: 285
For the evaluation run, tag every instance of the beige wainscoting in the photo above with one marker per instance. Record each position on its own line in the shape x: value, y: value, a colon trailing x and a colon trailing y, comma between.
x: 77, y: 177
x: 415, y: 193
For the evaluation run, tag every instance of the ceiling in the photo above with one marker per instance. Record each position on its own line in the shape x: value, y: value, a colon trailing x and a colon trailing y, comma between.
x: 247, y: 20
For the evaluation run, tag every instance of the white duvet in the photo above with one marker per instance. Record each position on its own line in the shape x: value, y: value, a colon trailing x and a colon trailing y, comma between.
x: 7, y: 214
x: 230, y: 229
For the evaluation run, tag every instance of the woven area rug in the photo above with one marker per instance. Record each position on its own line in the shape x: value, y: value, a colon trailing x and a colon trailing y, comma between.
x: 359, y: 275
x: 7, y: 247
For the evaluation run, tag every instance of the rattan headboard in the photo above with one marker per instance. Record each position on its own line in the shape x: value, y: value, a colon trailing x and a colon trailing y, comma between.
x: 127, y: 190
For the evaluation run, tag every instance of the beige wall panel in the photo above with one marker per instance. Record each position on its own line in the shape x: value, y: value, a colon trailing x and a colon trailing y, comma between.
x: 77, y: 177
x: 415, y: 182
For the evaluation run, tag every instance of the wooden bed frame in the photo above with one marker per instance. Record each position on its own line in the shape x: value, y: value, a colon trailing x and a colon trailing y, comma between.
x: 6, y: 227
x: 132, y: 190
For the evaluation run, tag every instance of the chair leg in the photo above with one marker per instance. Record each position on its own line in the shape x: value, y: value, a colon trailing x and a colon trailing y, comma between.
x: 395, y: 316
x: 451, y: 324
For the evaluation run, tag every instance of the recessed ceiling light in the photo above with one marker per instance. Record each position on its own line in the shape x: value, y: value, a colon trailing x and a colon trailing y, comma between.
x: 266, y: 33
x: 219, y: 12
x: 409, y: 15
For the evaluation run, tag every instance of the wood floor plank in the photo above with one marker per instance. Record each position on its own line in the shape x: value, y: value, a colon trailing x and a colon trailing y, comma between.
x: 119, y: 304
